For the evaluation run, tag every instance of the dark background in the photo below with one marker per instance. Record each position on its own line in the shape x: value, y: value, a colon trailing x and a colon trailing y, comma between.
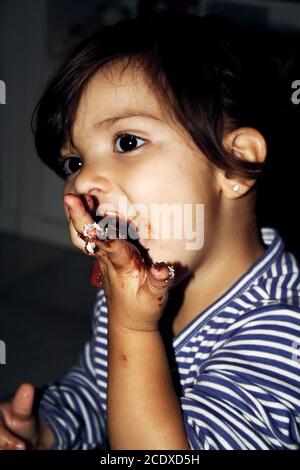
x: 46, y: 300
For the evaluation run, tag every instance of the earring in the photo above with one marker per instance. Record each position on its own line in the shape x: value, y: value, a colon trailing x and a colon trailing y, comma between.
x: 235, y: 187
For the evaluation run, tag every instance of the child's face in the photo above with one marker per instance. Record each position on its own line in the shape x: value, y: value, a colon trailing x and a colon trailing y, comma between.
x: 163, y: 167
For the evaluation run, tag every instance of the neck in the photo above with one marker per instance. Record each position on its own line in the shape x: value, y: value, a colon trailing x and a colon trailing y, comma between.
x: 227, y: 258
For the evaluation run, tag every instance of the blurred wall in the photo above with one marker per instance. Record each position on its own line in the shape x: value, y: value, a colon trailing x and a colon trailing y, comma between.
x: 30, y: 195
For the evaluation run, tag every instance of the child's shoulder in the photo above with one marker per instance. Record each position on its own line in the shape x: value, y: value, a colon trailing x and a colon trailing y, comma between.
x: 280, y: 281
x: 266, y: 297
x: 271, y: 298
x: 274, y: 279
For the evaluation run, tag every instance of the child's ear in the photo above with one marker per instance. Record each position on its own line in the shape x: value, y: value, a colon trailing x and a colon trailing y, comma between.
x: 247, y: 144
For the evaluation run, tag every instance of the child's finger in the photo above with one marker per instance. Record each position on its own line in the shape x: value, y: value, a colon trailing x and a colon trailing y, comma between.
x: 77, y: 239
x: 160, y: 276
x: 78, y: 213
x: 23, y: 401
x: 122, y: 255
x: 116, y: 252
x: 9, y: 442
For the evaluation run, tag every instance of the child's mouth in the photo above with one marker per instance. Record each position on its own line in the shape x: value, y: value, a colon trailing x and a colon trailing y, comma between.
x: 118, y: 227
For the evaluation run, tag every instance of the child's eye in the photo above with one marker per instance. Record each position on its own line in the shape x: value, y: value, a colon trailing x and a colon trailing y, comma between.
x: 127, y: 142
x: 69, y: 165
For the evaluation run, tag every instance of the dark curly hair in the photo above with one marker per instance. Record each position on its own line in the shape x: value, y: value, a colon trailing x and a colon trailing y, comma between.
x: 211, y: 76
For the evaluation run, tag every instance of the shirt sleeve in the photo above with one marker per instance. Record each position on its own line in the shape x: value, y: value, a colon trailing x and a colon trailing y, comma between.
x: 71, y: 406
x: 246, y: 395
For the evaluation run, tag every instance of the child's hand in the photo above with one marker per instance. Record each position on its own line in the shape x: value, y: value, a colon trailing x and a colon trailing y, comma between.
x: 136, y: 294
x: 19, y: 428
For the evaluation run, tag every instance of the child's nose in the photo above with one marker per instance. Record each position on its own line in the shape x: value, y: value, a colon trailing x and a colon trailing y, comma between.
x: 93, y: 179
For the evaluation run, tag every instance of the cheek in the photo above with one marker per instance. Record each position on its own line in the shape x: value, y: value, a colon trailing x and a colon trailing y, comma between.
x: 178, y: 236
x: 174, y: 213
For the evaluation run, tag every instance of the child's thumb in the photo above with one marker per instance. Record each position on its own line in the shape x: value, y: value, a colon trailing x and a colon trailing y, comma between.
x: 22, y: 402
x: 160, y: 277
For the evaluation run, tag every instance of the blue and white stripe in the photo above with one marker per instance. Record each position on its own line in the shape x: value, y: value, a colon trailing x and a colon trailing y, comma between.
x: 238, y: 364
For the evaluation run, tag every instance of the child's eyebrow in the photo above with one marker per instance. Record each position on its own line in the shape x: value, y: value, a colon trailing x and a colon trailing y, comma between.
x: 106, y: 123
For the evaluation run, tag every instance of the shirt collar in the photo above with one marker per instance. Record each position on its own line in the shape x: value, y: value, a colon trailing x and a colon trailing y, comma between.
x: 274, y: 248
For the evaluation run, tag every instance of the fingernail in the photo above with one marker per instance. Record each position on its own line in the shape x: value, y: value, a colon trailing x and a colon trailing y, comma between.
x: 66, y: 201
x: 20, y: 447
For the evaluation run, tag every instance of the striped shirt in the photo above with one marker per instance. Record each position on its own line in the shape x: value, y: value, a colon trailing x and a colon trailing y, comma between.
x: 238, y: 364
